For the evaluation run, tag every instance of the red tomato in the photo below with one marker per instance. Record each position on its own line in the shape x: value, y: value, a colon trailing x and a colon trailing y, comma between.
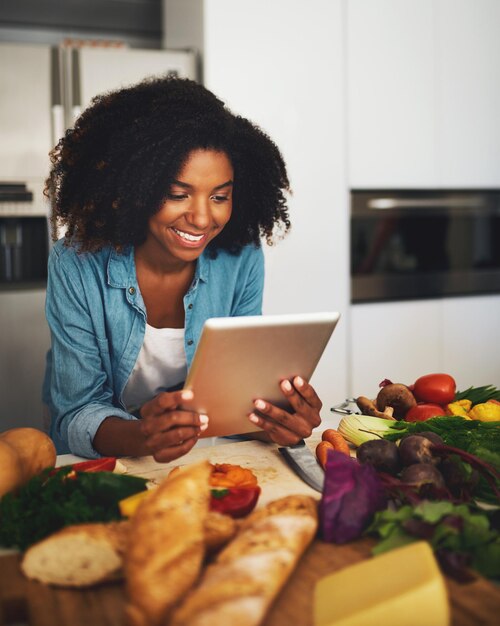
x: 435, y: 388
x: 234, y: 501
x: 423, y: 411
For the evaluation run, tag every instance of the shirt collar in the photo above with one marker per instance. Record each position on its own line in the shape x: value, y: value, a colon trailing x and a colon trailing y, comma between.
x: 121, y: 267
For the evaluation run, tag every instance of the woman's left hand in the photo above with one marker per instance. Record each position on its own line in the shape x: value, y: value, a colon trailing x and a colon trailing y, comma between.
x: 287, y: 427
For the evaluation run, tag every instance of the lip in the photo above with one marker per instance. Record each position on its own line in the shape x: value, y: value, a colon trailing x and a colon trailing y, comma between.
x: 189, y: 244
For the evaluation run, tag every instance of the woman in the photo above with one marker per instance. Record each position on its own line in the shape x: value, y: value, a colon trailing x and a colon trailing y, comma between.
x: 164, y: 195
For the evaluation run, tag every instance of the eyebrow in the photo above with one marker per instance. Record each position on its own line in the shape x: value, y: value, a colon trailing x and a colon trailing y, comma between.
x: 228, y: 183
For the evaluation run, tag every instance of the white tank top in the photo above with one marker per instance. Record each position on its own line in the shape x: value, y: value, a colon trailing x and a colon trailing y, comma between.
x: 161, y: 364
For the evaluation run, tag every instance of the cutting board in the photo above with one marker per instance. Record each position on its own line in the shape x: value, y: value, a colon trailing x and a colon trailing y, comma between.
x: 26, y: 602
x: 274, y: 475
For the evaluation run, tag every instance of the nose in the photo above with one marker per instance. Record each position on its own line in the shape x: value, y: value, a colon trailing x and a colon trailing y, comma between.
x: 199, y: 214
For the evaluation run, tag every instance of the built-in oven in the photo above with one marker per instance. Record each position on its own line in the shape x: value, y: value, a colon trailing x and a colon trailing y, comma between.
x: 25, y: 337
x: 24, y: 239
x: 424, y: 244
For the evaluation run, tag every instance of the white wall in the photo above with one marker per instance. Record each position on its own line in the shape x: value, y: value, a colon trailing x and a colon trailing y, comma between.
x: 281, y: 64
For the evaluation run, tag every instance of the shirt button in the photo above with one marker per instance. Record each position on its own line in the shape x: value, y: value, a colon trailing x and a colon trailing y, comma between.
x: 190, y: 342
x: 190, y: 306
x: 131, y: 290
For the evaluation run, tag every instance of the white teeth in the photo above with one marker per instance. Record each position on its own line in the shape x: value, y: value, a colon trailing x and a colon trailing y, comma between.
x: 187, y: 236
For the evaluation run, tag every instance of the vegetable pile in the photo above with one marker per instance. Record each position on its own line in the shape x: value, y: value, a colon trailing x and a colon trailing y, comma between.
x: 421, y: 473
x: 430, y: 396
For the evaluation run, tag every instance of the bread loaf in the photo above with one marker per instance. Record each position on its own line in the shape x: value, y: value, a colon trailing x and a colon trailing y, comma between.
x: 85, y: 555
x: 78, y: 556
x: 166, y: 548
x: 239, y: 587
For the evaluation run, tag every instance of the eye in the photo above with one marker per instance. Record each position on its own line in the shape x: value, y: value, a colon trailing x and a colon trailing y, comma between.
x: 177, y: 196
x: 219, y: 198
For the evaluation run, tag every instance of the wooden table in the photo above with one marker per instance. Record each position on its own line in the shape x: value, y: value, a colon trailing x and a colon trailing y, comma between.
x: 26, y: 602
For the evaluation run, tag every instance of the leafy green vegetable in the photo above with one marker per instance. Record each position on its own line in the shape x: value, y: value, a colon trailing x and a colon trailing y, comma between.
x: 461, y: 536
x: 477, y: 395
x: 51, y: 501
x: 476, y: 437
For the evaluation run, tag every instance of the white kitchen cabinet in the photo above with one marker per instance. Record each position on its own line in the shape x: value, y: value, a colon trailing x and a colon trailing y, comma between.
x: 390, y: 93
x: 396, y: 340
x: 281, y: 64
x: 468, y: 93
x: 423, y: 93
x: 404, y: 340
x: 471, y: 340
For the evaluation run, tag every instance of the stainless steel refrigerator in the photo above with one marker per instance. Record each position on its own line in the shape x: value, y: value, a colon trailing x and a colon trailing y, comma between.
x: 42, y: 91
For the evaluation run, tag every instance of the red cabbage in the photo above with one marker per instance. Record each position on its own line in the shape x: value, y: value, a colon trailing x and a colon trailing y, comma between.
x: 351, y: 496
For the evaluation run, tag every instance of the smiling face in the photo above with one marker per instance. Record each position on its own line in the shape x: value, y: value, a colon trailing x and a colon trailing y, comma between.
x: 197, y: 207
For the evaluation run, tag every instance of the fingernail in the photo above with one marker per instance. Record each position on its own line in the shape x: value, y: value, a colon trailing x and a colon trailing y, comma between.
x: 187, y: 394
x: 253, y: 418
x: 204, y: 419
x: 286, y: 385
x: 260, y: 404
x: 203, y: 427
x: 299, y: 381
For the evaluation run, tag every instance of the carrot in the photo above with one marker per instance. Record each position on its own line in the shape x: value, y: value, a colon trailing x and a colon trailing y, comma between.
x: 322, y: 452
x: 337, y: 440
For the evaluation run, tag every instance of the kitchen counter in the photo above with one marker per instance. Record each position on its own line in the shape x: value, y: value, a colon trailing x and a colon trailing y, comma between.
x: 26, y: 602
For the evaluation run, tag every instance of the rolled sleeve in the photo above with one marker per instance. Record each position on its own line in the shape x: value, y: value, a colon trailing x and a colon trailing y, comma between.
x: 81, y: 429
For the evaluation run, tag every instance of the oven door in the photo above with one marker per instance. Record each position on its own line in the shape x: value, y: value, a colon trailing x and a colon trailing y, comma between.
x: 424, y: 244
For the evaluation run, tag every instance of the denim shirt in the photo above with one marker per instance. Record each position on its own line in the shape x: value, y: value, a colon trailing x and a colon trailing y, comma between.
x: 97, y: 319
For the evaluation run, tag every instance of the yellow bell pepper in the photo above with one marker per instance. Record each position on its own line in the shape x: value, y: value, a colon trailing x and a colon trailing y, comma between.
x: 486, y: 412
x: 459, y: 407
x: 128, y: 506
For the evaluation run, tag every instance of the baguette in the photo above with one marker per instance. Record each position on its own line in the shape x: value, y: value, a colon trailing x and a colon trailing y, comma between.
x: 166, y: 547
x: 240, y: 585
x: 78, y: 556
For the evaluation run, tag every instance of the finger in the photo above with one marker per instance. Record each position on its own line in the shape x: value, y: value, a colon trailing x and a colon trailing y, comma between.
x: 170, y: 453
x: 307, y: 392
x: 165, y: 401
x: 277, y: 433
x: 171, y: 438
x: 173, y: 419
x: 299, y: 423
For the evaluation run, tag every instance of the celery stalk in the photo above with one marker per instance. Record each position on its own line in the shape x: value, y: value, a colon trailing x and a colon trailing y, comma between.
x: 360, y: 428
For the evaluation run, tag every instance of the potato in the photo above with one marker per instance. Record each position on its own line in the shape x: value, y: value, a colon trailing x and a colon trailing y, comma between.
x: 34, y: 448
x: 11, y: 475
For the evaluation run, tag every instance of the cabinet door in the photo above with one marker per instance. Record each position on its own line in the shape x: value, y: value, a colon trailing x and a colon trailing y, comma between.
x: 471, y: 340
x: 24, y: 111
x: 468, y: 53
x: 391, y: 89
x: 397, y: 340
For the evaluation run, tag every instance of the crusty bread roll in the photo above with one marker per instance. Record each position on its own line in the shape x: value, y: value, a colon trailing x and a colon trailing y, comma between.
x: 78, y: 556
x: 85, y: 555
x: 241, y: 584
x: 166, y: 546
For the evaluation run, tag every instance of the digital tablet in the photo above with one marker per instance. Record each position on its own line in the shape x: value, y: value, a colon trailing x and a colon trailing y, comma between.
x: 240, y: 359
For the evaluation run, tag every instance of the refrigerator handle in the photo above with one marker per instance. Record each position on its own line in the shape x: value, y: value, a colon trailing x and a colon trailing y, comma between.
x: 57, y: 106
x: 76, y: 99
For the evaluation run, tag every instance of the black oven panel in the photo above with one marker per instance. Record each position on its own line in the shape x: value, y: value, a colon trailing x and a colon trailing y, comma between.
x: 424, y: 244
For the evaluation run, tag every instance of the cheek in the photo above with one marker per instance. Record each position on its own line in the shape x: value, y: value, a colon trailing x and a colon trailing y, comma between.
x: 226, y: 214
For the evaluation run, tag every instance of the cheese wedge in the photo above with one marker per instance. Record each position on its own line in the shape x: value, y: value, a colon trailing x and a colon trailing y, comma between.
x: 403, y: 587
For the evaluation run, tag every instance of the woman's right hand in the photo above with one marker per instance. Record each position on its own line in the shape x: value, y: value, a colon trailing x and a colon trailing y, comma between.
x: 169, y: 431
